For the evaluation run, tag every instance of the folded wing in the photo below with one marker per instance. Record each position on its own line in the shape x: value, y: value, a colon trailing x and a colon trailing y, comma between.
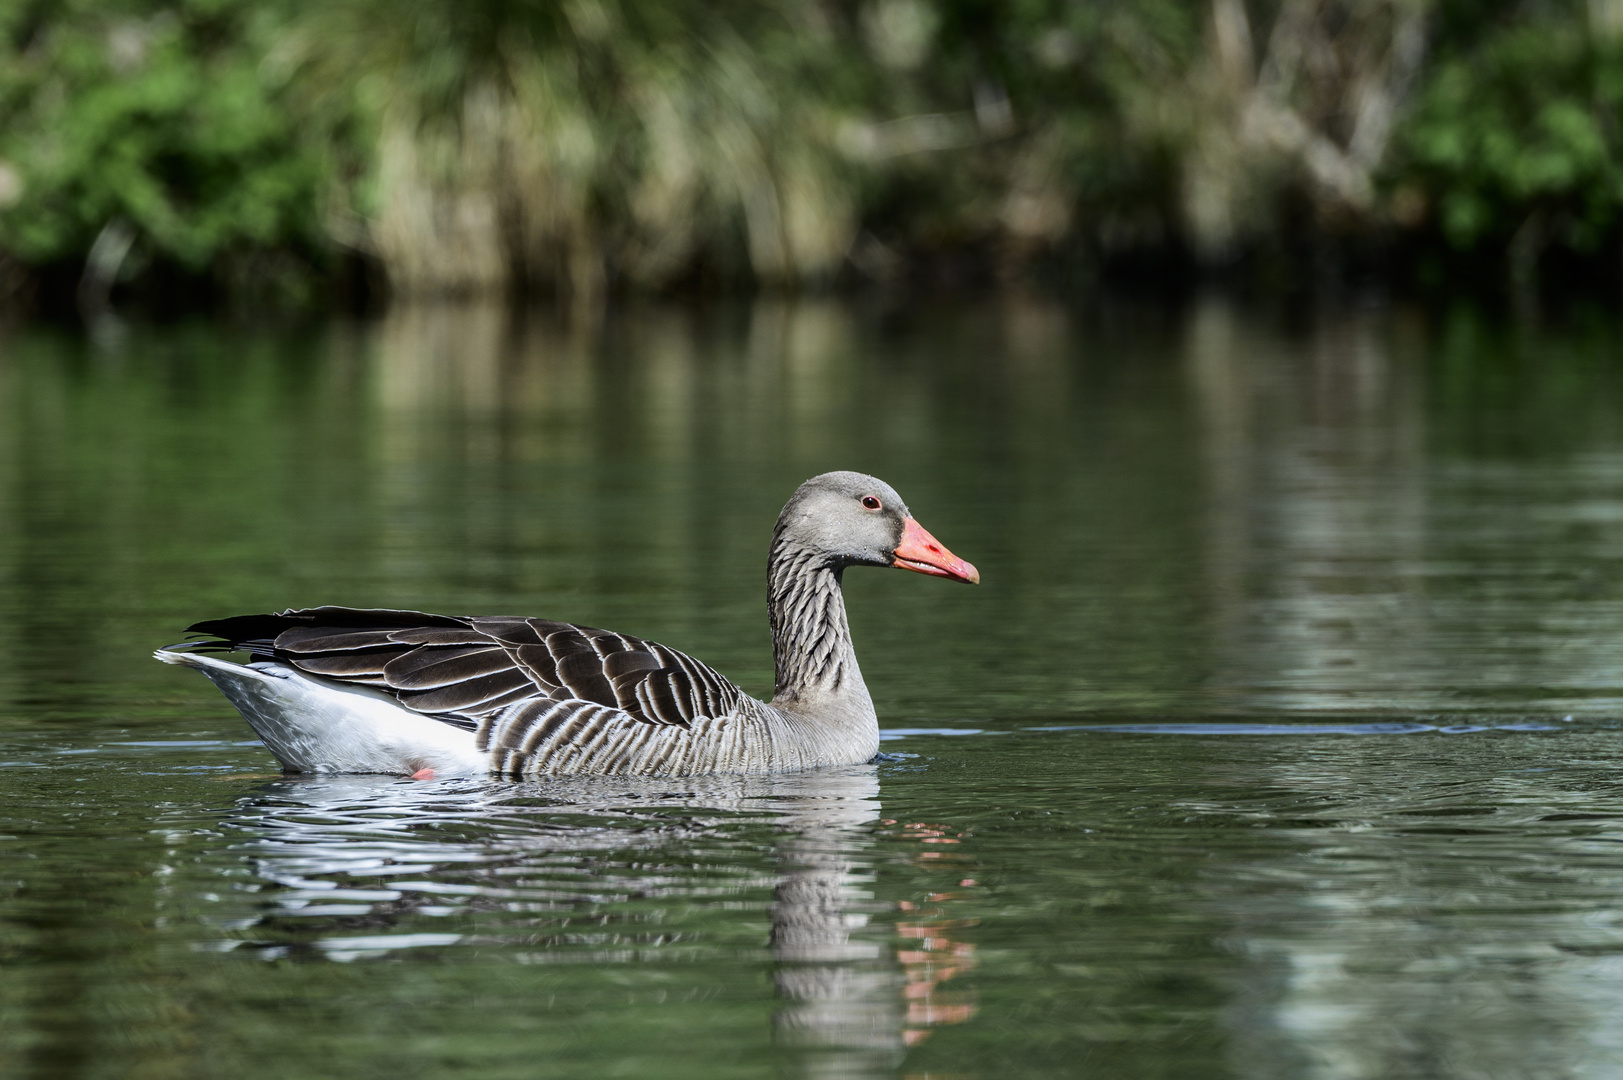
x: 465, y: 670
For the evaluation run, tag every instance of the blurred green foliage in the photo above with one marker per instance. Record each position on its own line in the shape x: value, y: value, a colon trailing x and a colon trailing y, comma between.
x: 497, y: 144
x: 158, y: 115
x: 1522, y: 131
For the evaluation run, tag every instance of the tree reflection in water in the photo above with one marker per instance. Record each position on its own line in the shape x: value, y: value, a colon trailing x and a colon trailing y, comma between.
x: 626, y: 871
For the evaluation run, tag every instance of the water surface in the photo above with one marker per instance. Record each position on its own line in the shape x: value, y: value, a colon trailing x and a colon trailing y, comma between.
x: 1282, y: 739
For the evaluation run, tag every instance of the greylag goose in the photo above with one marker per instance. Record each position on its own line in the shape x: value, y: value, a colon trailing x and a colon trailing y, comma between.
x: 335, y: 689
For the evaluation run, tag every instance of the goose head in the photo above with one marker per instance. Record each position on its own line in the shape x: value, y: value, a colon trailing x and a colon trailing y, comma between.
x: 842, y: 519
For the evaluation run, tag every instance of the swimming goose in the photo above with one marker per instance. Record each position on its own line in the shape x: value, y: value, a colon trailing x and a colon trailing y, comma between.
x: 335, y: 689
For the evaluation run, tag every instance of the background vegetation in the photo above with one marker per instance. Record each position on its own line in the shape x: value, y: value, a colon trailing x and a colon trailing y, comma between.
x: 206, y: 148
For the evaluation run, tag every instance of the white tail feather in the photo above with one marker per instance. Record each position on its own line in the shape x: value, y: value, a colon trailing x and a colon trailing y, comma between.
x: 312, y: 725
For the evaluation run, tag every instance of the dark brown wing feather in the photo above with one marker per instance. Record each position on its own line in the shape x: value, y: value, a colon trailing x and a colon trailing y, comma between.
x: 463, y: 669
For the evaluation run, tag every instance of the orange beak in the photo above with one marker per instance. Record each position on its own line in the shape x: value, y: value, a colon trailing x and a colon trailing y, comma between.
x: 923, y: 554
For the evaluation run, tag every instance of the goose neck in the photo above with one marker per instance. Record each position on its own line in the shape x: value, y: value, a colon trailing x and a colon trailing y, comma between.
x: 811, y: 640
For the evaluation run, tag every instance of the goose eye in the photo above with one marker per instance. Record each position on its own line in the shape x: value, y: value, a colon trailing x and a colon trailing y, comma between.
x: 870, y: 502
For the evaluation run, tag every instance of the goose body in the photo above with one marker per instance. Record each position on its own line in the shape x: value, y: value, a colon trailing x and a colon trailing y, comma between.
x: 334, y: 689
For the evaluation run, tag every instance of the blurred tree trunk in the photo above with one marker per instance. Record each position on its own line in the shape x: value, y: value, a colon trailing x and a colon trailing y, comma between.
x: 1606, y: 19
x: 1317, y: 112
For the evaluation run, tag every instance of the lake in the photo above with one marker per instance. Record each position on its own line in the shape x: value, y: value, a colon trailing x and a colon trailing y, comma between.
x: 1284, y: 738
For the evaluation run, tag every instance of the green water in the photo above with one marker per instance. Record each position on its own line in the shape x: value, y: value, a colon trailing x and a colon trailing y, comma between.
x: 1284, y: 738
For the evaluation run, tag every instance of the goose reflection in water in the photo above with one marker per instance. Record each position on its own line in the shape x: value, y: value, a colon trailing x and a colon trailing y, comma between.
x: 624, y: 871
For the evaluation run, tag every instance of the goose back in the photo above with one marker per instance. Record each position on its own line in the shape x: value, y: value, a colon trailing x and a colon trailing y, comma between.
x: 527, y: 687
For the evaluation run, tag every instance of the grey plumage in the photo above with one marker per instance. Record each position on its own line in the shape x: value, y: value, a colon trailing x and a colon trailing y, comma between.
x: 545, y: 697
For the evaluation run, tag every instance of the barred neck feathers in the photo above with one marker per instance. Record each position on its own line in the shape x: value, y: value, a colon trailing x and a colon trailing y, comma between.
x: 811, y: 640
